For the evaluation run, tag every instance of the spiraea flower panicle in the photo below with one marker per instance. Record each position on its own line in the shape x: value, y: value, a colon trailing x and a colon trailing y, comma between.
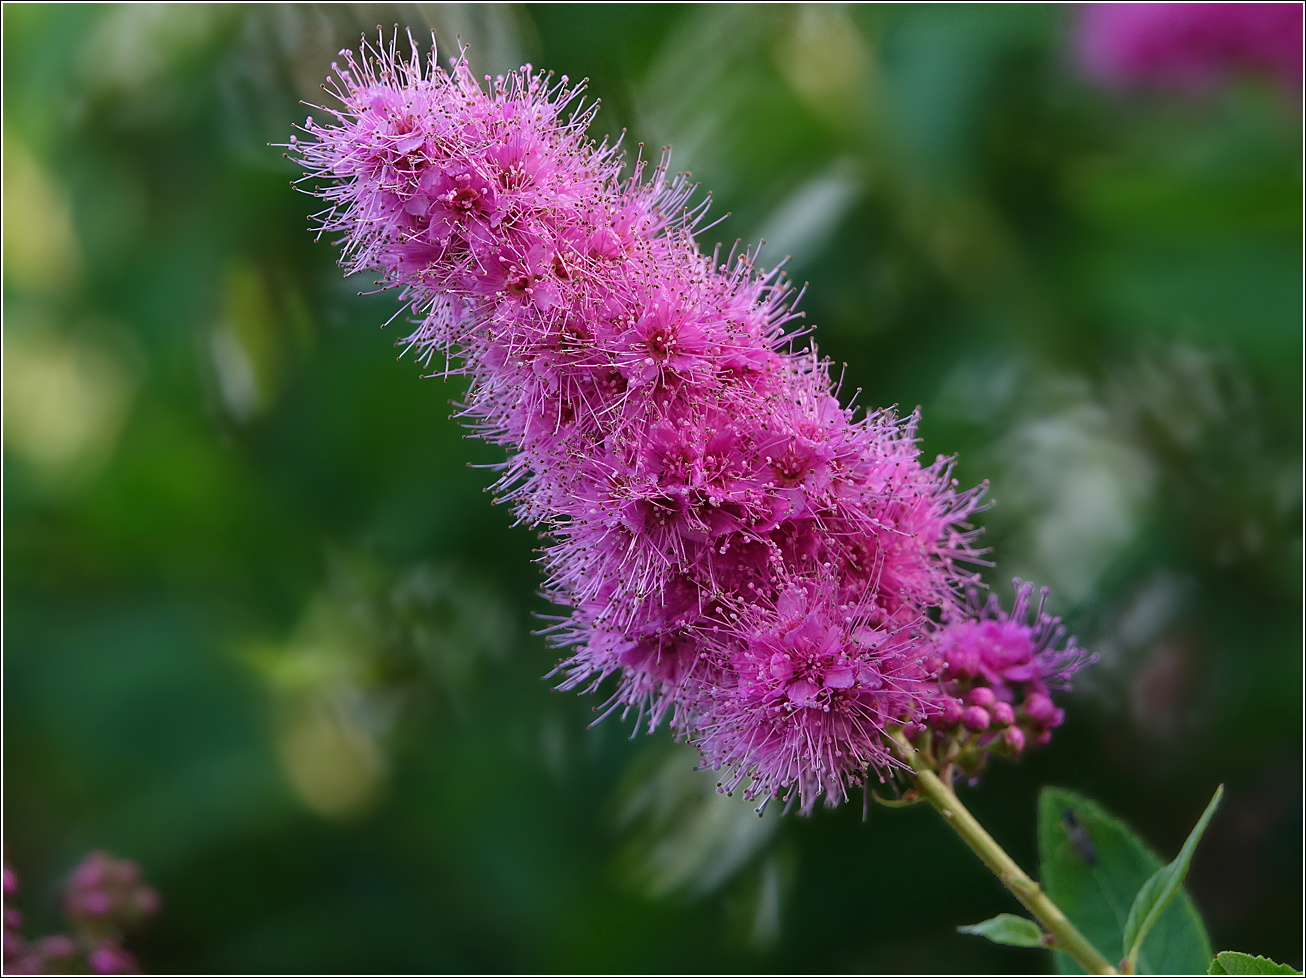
x: 747, y: 558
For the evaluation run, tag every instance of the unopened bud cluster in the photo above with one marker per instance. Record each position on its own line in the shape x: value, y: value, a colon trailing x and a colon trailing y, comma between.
x: 996, y: 672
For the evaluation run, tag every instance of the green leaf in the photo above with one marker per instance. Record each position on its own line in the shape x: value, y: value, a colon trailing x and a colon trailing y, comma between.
x: 1237, y: 963
x: 1156, y: 894
x: 1007, y: 928
x: 1091, y: 866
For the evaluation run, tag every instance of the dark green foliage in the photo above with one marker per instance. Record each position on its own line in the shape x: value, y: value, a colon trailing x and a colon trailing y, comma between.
x: 239, y: 537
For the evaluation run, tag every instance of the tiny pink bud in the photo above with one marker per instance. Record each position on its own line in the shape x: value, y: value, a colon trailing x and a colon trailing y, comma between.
x: 1041, y: 709
x: 962, y: 664
x: 949, y: 716
x: 981, y: 696
x: 1044, y: 737
x: 976, y: 718
x: 1003, y: 714
x: 1013, y: 738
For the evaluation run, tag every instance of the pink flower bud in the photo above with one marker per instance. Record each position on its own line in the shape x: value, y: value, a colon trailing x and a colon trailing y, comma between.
x: 975, y: 718
x: 1041, y: 709
x: 949, y: 715
x: 1013, y: 739
x: 962, y: 664
x: 980, y: 696
x: 1003, y: 714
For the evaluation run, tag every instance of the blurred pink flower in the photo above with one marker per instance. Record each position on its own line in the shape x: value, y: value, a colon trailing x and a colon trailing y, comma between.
x: 104, y: 897
x: 1190, y: 47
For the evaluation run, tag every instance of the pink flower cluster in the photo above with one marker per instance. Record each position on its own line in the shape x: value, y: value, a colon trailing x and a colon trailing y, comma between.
x: 997, y: 672
x: 104, y: 898
x: 747, y: 558
x: 1190, y: 47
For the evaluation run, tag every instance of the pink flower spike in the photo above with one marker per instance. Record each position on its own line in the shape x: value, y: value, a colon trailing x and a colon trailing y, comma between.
x: 737, y: 552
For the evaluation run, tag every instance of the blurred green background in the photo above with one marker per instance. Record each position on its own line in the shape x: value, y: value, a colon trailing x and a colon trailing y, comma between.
x: 265, y: 633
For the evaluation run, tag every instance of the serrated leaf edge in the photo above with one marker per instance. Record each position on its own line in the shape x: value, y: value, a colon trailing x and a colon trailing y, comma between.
x: 1216, y: 963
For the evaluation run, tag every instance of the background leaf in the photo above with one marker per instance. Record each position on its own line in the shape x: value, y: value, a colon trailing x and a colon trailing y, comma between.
x: 1007, y: 928
x: 1161, y: 887
x: 1095, y: 887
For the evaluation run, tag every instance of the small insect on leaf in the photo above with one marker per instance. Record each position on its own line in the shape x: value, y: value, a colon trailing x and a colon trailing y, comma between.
x: 1079, y: 837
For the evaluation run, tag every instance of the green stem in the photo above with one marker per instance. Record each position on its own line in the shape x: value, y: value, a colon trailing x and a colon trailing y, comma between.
x: 1027, y: 891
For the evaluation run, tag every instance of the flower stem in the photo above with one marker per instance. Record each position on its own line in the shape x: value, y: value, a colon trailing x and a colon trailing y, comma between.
x: 1065, y: 935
